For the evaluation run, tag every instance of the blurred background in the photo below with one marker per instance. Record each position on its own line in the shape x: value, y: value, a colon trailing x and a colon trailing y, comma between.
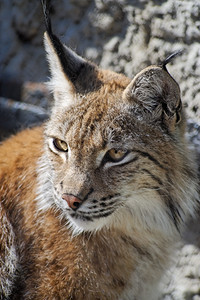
x: 124, y: 36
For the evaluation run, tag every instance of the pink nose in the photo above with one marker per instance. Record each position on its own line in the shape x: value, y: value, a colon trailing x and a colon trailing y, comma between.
x: 73, y: 202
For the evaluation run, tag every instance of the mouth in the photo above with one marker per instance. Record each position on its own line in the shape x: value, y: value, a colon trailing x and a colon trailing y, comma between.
x: 81, y: 221
x: 91, y: 216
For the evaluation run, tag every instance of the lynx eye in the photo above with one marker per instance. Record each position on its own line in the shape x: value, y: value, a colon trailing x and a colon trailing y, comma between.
x: 60, y: 145
x: 116, y: 155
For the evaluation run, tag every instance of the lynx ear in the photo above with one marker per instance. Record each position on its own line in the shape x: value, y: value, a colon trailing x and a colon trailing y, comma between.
x: 155, y: 96
x: 68, y: 70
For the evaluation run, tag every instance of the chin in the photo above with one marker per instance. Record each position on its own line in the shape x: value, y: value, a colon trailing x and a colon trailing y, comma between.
x: 80, y: 225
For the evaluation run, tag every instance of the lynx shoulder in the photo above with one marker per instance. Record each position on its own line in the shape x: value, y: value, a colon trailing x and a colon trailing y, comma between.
x: 93, y: 201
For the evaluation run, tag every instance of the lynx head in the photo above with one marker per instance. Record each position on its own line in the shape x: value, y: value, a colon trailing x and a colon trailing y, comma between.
x: 115, y: 149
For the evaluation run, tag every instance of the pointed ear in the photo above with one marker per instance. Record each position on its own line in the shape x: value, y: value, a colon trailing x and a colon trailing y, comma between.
x: 155, y: 96
x: 63, y: 76
x: 70, y: 73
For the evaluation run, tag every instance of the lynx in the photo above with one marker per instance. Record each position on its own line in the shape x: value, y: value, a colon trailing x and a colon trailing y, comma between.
x: 94, y: 200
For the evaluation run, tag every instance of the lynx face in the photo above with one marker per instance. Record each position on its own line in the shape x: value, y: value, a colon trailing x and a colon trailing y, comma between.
x: 115, y: 147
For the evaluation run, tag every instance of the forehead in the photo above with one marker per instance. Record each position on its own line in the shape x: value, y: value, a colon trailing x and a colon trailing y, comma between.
x: 99, y: 117
x: 93, y: 117
x: 102, y: 126
x: 95, y: 107
x: 97, y: 123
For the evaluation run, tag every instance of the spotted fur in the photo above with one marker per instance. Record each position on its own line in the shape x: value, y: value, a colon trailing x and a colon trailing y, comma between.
x: 118, y: 241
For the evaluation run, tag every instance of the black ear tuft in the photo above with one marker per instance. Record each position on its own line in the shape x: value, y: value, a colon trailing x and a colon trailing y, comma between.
x: 46, y: 9
x: 170, y: 58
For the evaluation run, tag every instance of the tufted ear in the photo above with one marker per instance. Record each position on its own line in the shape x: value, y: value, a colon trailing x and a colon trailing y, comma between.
x: 70, y: 73
x: 155, y: 95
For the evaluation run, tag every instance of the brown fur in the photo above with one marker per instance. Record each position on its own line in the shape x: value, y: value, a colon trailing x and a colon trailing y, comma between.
x: 53, y: 264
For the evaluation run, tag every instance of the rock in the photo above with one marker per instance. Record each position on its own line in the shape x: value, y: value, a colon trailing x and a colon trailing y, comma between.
x: 15, y: 116
x: 184, y: 277
x: 26, y: 19
x: 36, y: 94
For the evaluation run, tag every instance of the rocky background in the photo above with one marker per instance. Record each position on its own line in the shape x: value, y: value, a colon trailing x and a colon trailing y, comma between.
x: 122, y: 35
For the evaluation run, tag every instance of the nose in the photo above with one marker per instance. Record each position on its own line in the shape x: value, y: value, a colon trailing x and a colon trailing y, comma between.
x: 72, y: 201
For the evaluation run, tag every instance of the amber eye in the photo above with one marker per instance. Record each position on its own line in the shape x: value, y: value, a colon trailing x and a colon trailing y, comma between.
x: 116, y: 155
x: 60, y: 145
